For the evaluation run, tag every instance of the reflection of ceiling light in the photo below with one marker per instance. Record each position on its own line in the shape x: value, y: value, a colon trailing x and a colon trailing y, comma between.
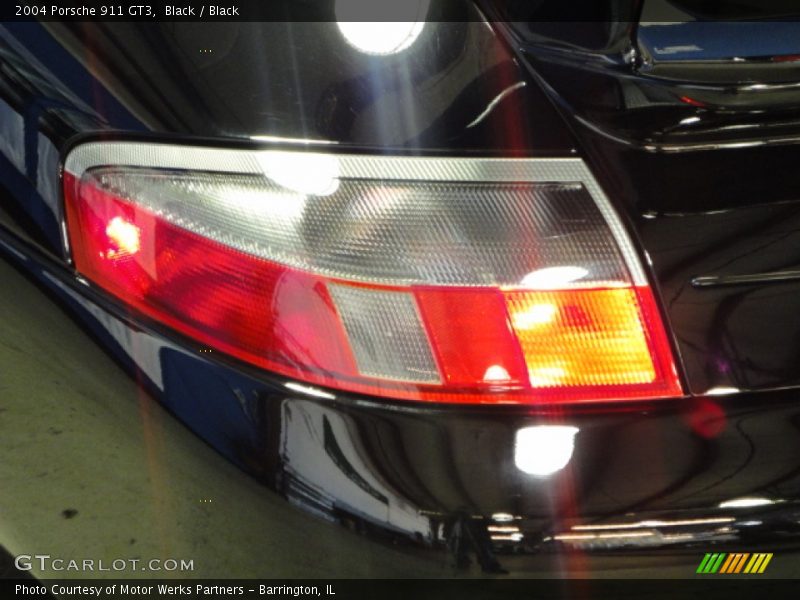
x: 125, y: 236
x: 290, y: 140
x: 503, y: 528
x: 534, y: 316
x: 722, y: 391
x: 313, y: 174
x: 514, y: 537
x: 746, y: 502
x: 654, y: 523
x: 502, y: 517
x: 310, y: 391
x: 553, y: 277
x: 496, y: 374
x: 383, y: 37
x: 564, y: 537
x: 380, y: 38
x: 542, y: 450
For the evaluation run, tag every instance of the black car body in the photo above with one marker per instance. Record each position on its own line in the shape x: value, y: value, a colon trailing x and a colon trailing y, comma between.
x: 689, y: 130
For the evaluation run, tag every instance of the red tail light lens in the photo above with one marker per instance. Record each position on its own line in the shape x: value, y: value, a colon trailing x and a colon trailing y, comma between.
x: 424, y: 279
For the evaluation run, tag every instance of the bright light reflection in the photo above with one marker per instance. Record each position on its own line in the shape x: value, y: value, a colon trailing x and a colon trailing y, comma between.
x: 534, y: 316
x: 309, y: 391
x: 747, y: 502
x: 654, y: 523
x: 405, y: 21
x: 125, y: 236
x: 502, y: 517
x: 514, y: 537
x: 383, y: 37
x: 722, y: 391
x: 503, y: 528
x: 542, y: 450
x: 380, y: 38
x: 553, y: 277
x: 496, y: 374
x: 313, y: 174
x: 601, y: 536
x: 291, y: 140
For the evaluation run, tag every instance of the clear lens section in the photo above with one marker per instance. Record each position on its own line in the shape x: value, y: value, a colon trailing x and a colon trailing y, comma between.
x: 531, y: 235
x: 386, y: 334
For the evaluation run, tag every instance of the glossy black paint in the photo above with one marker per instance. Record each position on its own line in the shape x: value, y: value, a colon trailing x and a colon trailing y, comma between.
x: 433, y: 477
x: 300, y: 80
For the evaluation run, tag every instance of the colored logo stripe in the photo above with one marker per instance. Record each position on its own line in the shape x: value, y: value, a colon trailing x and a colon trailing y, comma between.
x: 711, y: 563
x: 758, y: 563
x: 720, y: 562
x: 734, y: 563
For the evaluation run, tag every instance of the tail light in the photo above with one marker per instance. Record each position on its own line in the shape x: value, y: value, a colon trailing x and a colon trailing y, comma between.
x: 431, y: 279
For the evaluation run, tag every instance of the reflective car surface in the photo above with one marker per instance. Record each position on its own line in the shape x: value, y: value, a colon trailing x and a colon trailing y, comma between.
x: 487, y: 293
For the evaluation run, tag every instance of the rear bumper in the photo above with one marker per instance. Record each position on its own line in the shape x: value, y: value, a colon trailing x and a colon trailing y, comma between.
x: 424, y: 491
